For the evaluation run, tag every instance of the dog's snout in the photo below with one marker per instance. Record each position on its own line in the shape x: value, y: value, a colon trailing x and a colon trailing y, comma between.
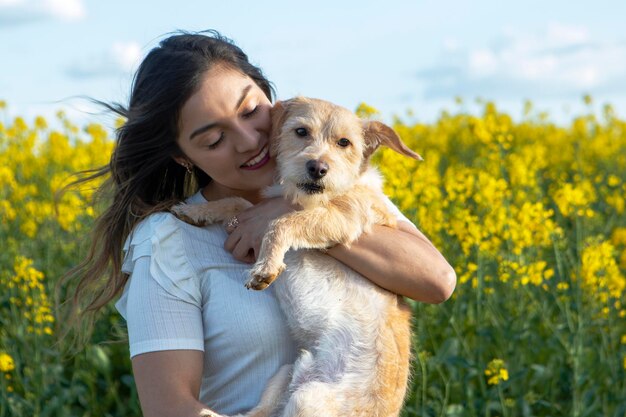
x: 316, y: 168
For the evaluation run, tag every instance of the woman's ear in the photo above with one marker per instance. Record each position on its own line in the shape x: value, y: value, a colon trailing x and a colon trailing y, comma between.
x: 184, y: 162
x: 181, y: 160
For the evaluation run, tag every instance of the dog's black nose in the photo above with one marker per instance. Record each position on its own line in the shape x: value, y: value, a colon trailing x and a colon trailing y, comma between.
x: 316, y: 168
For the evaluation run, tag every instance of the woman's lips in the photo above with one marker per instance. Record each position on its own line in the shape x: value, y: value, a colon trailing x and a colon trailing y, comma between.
x: 259, y: 160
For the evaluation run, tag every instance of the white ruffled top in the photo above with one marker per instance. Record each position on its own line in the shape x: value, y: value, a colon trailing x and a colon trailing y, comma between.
x: 186, y: 292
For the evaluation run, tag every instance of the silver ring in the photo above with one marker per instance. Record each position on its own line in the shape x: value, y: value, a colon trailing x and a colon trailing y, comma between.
x: 233, y: 222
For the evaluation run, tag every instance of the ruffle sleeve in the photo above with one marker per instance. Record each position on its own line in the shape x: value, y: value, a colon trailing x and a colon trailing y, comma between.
x: 160, y: 238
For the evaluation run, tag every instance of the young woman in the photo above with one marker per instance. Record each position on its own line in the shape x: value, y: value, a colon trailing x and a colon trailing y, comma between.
x: 197, y: 129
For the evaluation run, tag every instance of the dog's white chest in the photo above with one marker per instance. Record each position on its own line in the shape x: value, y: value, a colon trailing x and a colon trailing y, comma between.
x: 320, y: 295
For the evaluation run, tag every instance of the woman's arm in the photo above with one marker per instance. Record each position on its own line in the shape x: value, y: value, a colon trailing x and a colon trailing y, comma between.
x: 400, y: 260
x: 168, y: 383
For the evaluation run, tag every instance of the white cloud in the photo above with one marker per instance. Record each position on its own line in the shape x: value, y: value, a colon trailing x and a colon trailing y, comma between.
x: 5, y: 3
x: 17, y: 12
x: 451, y: 44
x: 483, y: 63
x: 567, y: 34
x: 559, y: 61
x: 65, y: 9
x: 126, y: 54
x: 122, y: 57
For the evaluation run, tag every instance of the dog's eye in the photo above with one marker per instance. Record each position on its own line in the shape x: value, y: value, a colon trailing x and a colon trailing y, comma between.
x: 343, y: 142
x: 302, y: 132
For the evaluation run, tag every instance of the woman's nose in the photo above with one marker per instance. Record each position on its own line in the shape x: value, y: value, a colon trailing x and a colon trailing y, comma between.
x: 247, y: 138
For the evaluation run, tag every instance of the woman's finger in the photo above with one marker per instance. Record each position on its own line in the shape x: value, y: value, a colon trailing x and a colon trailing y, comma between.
x: 243, y: 252
x: 232, y: 240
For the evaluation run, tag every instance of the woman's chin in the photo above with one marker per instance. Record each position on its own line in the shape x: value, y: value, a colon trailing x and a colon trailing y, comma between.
x: 264, y: 176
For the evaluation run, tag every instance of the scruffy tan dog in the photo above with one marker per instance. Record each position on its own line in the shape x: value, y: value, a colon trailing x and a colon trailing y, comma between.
x: 355, y: 335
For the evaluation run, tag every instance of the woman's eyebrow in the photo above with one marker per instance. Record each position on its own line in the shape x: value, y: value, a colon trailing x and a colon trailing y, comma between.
x: 244, y: 93
x: 204, y: 128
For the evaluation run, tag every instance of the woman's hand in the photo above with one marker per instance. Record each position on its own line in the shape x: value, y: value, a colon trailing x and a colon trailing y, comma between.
x: 245, y: 239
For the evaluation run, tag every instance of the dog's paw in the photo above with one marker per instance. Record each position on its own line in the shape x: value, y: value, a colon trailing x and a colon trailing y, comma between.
x: 180, y: 211
x: 262, y: 276
x: 194, y: 214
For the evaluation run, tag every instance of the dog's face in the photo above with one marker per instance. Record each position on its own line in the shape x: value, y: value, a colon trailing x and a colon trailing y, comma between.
x: 322, y: 149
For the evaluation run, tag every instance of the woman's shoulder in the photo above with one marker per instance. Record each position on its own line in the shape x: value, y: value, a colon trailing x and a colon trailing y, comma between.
x: 162, y: 234
x: 160, y: 225
x: 147, y: 228
x: 149, y: 231
x: 160, y: 239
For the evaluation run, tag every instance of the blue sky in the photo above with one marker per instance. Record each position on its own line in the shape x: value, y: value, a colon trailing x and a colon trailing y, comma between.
x: 395, y: 55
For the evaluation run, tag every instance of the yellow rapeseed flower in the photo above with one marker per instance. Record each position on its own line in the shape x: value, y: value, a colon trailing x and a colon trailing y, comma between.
x: 40, y: 123
x: 618, y: 237
x: 7, y: 212
x: 20, y: 124
x: 600, y: 272
x: 575, y: 198
x: 496, y: 372
x: 29, y: 228
x: 616, y: 200
x: 366, y: 111
x: 6, y: 362
x: 119, y: 122
x: 613, y: 180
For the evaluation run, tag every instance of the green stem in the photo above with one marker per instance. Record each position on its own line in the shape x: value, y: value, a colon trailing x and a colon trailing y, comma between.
x: 505, y: 412
x: 424, y: 382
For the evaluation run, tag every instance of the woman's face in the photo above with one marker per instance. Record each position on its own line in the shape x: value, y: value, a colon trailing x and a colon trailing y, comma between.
x: 224, y: 130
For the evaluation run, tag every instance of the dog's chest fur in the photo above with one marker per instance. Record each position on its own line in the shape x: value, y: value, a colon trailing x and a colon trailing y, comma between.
x: 322, y: 296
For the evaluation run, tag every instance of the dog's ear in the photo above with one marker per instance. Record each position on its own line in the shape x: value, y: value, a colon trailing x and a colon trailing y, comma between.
x: 278, y: 114
x: 377, y: 133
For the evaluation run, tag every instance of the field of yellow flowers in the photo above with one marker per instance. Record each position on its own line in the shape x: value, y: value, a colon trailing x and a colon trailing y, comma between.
x: 531, y: 214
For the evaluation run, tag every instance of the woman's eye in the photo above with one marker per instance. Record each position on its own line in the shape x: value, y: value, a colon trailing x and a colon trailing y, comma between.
x: 217, y: 142
x: 302, y: 132
x: 343, y: 142
x: 251, y: 112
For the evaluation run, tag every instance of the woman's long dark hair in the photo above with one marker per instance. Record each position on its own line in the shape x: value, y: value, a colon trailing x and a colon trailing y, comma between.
x: 142, y: 176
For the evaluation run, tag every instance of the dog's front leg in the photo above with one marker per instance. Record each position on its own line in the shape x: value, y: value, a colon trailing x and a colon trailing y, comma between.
x: 308, y: 229
x: 218, y: 211
x: 270, y: 262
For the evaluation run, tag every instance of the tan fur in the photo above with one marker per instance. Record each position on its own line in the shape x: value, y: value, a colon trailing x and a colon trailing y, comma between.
x: 214, y: 212
x: 357, y: 317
